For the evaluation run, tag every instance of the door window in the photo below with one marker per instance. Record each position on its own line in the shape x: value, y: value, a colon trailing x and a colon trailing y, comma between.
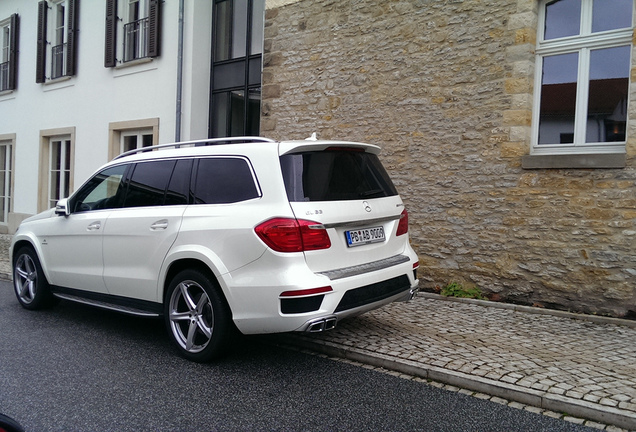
x: 103, y: 191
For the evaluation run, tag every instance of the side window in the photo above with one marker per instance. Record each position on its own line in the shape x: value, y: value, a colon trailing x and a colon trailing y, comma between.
x: 148, y: 183
x: 103, y: 191
x: 224, y: 180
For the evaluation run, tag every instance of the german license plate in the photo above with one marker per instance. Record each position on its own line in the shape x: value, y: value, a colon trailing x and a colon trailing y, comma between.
x: 364, y: 236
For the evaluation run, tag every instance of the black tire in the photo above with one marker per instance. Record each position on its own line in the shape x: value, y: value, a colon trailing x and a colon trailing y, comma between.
x: 197, y: 316
x: 30, y: 285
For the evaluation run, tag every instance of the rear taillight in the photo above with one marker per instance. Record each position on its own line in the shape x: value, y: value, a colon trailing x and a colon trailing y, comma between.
x: 293, y: 235
x: 403, y: 225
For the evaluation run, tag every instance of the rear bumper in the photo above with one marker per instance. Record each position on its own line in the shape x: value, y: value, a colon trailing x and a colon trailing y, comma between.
x: 262, y: 309
x: 329, y: 322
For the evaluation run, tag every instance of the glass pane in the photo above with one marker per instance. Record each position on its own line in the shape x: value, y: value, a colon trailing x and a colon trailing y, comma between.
x: 258, y: 11
x: 237, y: 103
x: 335, y: 176
x: 562, y: 18
x: 220, y: 105
x: 224, y: 180
x: 55, y: 155
x: 130, y: 143
x: 67, y: 155
x: 99, y: 192
x: 230, y: 30
x: 148, y: 184
x: 146, y: 140
x: 3, y: 157
x: 558, y: 99
x: 611, y: 14
x: 254, y: 112
x: 67, y: 185
x: 608, y: 94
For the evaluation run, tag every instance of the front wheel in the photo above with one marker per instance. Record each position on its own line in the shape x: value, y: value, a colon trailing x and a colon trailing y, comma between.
x: 31, y: 287
x: 197, y: 316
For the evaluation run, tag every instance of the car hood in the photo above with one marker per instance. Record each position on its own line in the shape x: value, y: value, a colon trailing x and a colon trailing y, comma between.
x: 44, y: 215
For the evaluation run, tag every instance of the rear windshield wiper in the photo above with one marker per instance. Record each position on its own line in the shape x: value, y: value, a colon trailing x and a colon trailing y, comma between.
x: 372, y: 192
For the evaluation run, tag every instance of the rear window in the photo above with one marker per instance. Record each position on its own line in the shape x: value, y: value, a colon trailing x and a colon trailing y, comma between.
x: 335, y: 175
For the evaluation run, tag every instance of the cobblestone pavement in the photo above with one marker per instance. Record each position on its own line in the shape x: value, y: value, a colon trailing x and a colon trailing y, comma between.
x: 580, y: 368
x: 563, y: 364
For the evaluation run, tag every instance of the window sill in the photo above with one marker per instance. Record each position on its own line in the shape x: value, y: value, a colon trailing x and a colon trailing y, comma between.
x: 57, y: 80
x: 592, y: 161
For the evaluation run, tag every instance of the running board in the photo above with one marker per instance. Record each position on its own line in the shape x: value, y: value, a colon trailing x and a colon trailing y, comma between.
x: 104, y: 305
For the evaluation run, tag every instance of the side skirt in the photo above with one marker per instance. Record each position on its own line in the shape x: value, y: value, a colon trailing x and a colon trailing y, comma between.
x: 115, y: 303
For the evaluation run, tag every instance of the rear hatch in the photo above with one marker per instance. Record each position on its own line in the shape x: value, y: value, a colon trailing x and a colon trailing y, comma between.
x: 344, y: 187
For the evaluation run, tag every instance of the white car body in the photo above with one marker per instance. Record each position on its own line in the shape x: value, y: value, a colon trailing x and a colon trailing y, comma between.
x: 124, y: 258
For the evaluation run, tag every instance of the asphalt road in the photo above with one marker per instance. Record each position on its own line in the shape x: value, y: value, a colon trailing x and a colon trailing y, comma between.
x: 75, y: 368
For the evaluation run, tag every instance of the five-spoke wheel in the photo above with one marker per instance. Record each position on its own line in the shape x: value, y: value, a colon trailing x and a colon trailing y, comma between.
x: 197, y: 316
x: 31, y: 287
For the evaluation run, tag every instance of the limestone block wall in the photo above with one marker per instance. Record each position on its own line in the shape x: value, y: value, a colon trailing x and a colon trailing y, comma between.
x: 445, y: 87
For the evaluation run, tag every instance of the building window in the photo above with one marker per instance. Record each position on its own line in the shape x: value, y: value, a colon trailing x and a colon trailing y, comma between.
x: 56, y: 41
x: 6, y: 171
x: 56, y: 166
x: 59, y: 169
x: 237, y: 43
x: 8, y: 53
x: 135, y: 139
x: 131, y: 135
x: 138, y: 27
x: 582, y: 84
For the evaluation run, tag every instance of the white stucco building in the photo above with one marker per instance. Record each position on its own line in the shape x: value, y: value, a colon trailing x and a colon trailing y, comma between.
x: 81, y: 82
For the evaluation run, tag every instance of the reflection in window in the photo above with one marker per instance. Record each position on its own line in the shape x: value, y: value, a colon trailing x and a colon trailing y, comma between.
x: 224, y: 181
x: 558, y: 99
x: 562, y: 19
x: 585, y: 56
x: 607, y: 103
x: 611, y: 14
x: 236, y: 70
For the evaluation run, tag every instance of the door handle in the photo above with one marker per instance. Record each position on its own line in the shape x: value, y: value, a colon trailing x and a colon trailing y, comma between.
x: 159, y: 225
x: 94, y: 226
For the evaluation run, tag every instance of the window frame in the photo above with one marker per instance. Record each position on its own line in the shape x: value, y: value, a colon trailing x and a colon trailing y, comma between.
x: 115, y: 38
x: 118, y: 130
x: 9, y: 33
x: 582, y: 44
x: 46, y: 137
x: 8, y: 142
x: 48, y: 34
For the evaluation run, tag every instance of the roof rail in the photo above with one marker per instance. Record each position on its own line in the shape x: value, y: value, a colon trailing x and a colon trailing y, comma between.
x: 201, y: 142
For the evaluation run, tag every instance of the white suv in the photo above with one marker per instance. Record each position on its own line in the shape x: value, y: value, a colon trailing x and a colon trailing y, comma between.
x: 250, y: 233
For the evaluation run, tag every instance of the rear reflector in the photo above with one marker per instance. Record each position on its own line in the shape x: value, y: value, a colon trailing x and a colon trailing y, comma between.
x: 305, y: 292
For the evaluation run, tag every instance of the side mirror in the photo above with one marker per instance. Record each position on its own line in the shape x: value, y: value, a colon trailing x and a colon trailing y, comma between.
x: 61, y: 207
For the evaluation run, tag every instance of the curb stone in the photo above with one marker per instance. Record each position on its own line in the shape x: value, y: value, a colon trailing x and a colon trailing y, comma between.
x: 531, y: 397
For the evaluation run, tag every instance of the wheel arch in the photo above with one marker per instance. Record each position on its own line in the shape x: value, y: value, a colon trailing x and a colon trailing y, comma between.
x: 191, y: 264
x: 30, y: 243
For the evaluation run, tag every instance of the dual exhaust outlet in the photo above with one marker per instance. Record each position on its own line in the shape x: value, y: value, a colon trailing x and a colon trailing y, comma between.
x: 321, y: 325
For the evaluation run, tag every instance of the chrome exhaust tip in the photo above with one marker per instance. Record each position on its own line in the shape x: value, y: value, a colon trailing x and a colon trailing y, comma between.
x: 321, y: 324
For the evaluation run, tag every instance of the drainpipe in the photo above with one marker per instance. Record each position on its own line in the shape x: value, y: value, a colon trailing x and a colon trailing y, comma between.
x: 177, y: 134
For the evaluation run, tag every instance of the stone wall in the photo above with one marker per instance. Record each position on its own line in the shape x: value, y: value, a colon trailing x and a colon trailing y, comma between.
x: 445, y: 88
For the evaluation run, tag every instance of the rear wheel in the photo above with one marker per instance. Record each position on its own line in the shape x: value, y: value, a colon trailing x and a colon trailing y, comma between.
x: 197, y: 316
x: 31, y: 287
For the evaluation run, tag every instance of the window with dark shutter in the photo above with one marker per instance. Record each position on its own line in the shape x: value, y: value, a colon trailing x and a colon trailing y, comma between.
x: 40, y: 64
x: 110, y: 48
x: 154, y: 28
x: 13, y: 53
